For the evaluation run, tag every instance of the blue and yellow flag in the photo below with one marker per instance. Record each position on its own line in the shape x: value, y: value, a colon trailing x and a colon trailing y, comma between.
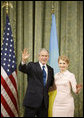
x: 53, y: 60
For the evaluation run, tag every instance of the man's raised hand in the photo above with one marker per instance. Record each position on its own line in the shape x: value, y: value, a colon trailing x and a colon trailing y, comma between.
x: 25, y: 55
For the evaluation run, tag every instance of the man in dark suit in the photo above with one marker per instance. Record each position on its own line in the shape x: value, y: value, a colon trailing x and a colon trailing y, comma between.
x: 40, y: 79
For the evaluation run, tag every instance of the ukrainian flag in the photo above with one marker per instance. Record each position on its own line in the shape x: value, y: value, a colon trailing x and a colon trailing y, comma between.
x: 53, y: 60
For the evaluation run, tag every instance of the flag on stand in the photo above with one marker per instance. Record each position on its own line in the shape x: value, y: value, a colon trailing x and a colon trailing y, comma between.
x: 53, y: 48
x: 9, y: 96
x: 53, y: 60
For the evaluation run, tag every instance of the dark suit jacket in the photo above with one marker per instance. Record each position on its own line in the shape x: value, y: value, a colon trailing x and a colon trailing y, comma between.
x: 36, y: 92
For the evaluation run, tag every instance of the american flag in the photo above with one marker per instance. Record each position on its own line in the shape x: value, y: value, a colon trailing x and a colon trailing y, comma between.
x: 9, y: 96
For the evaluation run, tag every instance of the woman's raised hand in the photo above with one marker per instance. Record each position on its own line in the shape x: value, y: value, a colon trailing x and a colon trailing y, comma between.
x: 25, y: 55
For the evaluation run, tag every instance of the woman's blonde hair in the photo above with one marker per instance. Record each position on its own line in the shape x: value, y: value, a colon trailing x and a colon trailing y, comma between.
x: 64, y: 58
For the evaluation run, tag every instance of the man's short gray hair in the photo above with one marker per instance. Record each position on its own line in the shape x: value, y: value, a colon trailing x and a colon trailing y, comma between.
x: 43, y: 49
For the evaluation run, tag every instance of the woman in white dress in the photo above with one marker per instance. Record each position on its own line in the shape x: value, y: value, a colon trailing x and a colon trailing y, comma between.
x: 64, y: 81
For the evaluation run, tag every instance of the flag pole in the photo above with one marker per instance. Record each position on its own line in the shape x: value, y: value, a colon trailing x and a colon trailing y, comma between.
x: 52, y: 11
x: 7, y: 4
